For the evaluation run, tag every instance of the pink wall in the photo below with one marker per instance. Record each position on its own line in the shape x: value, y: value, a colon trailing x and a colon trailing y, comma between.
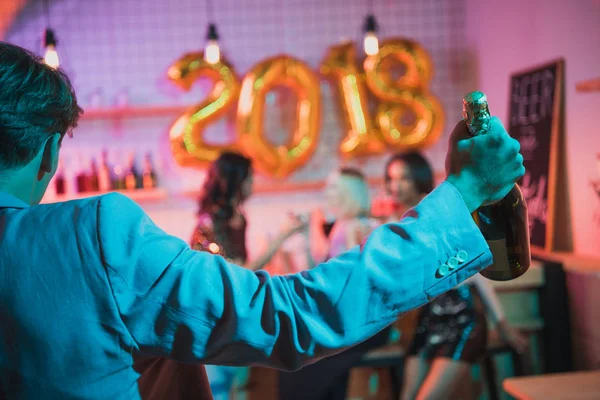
x: 510, y: 35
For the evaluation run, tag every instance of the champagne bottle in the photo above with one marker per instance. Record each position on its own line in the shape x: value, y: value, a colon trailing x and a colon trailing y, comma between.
x: 504, y: 224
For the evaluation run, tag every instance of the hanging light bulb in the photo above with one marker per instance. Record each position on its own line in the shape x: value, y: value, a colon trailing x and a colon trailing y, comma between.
x: 371, y: 43
x: 212, y: 53
x: 51, y: 56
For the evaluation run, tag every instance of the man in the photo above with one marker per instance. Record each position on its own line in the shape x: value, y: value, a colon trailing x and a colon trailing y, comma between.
x: 90, y: 288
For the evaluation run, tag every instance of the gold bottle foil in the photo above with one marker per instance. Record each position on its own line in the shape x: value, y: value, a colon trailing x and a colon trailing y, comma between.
x: 476, y: 113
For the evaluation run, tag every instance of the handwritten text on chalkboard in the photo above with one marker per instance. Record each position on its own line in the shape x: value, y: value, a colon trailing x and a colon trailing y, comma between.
x: 532, y: 122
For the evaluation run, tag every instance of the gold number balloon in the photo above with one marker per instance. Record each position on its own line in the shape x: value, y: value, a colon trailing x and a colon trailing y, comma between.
x: 362, y: 137
x: 186, y: 134
x: 279, y: 161
x: 406, y: 95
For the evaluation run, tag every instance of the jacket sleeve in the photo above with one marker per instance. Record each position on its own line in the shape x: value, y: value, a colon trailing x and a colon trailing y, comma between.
x: 196, y: 307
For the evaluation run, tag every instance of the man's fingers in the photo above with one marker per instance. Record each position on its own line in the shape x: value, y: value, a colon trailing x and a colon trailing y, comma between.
x: 515, y: 146
x: 519, y: 173
x: 459, y: 132
x: 465, y: 144
x: 496, y: 126
x: 519, y: 159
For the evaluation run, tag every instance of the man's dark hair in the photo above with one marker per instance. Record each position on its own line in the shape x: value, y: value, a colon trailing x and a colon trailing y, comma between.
x: 36, y: 101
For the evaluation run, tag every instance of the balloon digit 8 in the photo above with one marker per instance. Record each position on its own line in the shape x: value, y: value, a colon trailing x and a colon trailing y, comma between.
x: 407, y: 94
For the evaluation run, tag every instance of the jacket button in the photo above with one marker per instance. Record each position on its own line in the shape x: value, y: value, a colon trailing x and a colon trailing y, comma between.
x: 443, y: 270
x: 461, y: 256
x: 452, y: 263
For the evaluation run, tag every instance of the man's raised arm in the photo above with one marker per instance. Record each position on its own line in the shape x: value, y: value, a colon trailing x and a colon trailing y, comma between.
x: 196, y: 307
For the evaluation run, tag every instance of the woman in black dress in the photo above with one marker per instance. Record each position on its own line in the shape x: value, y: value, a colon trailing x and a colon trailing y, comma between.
x: 221, y: 227
x: 451, y: 332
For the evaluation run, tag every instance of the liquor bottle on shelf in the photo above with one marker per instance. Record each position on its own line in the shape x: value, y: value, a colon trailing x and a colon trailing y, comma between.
x: 132, y: 177
x: 504, y: 224
x: 82, y: 179
x: 93, y: 177
x: 149, y: 180
x: 60, y: 182
x: 105, y: 177
x: 118, y: 171
x: 118, y: 177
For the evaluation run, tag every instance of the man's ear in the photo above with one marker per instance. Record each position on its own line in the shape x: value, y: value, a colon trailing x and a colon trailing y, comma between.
x: 50, y: 157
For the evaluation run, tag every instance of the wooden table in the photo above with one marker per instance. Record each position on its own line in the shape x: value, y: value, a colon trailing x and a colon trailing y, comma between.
x: 569, y: 386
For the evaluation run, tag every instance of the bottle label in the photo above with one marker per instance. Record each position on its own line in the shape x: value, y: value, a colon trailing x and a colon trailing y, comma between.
x: 500, y: 253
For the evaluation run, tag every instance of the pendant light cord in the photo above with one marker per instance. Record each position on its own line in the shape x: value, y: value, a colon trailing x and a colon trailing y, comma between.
x: 210, y: 12
x: 47, y: 13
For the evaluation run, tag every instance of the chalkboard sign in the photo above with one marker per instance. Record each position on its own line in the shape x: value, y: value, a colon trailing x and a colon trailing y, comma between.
x: 535, y: 120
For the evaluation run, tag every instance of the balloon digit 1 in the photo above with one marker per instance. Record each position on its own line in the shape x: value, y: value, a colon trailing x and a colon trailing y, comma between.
x: 362, y: 137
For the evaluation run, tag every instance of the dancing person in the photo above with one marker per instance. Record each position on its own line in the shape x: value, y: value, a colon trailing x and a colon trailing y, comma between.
x: 451, y: 333
x: 221, y: 227
x: 91, y: 286
x: 349, y: 202
x: 408, y: 178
